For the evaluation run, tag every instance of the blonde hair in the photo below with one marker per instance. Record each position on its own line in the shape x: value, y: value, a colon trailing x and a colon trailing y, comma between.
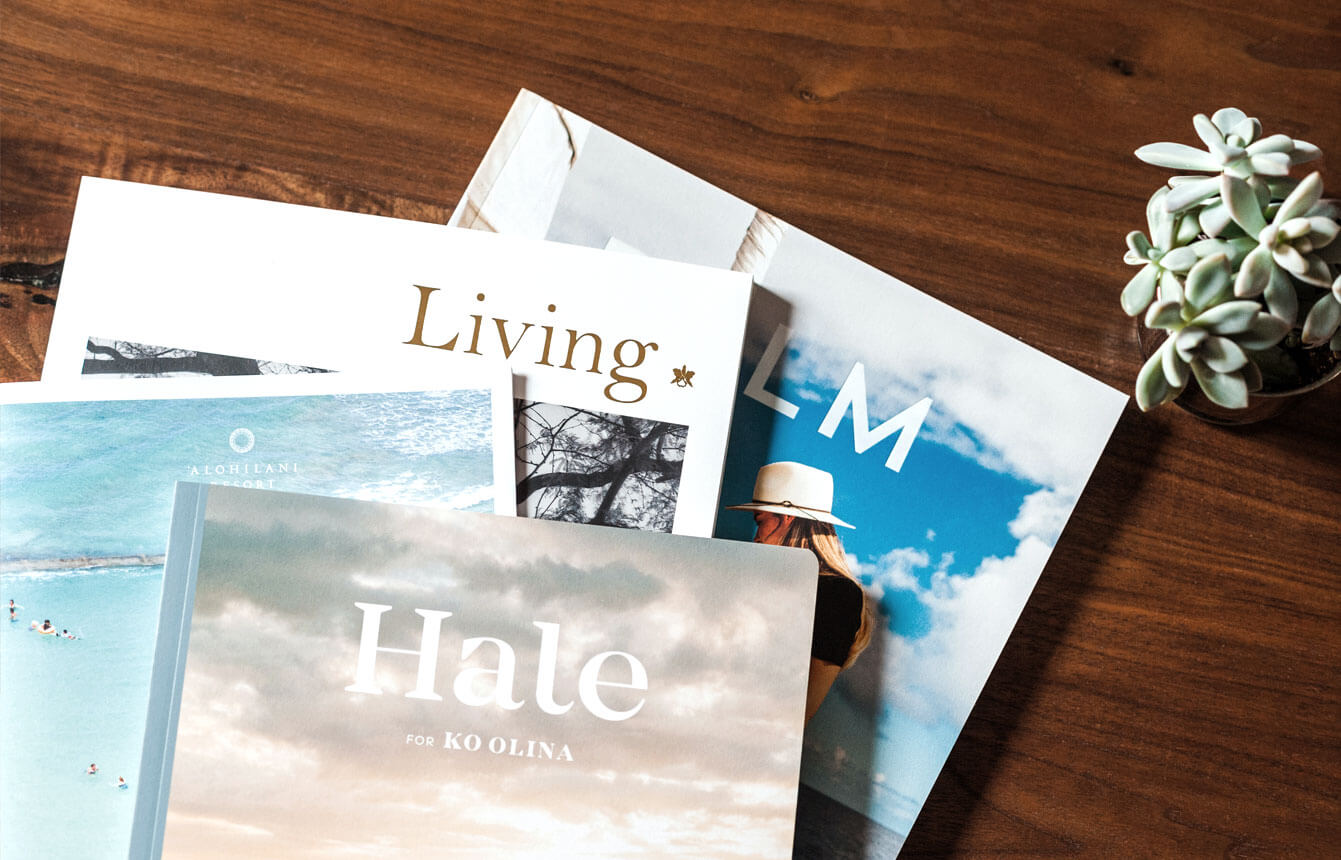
x: 821, y: 539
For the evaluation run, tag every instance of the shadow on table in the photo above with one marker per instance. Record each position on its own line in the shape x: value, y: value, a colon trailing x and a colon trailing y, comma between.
x: 1046, y: 618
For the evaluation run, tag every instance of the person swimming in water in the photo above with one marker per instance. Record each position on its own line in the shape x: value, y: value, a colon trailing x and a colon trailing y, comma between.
x: 45, y: 627
x: 121, y: 782
x: 12, y: 607
x: 66, y: 634
x: 92, y: 770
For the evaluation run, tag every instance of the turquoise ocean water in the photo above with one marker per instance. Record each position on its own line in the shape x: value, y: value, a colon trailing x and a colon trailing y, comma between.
x: 69, y: 703
x: 94, y: 481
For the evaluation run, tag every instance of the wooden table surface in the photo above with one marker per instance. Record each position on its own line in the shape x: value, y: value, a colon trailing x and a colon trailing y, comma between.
x: 1172, y: 687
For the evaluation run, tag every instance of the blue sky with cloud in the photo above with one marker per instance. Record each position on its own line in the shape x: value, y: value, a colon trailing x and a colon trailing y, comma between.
x: 923, y: 535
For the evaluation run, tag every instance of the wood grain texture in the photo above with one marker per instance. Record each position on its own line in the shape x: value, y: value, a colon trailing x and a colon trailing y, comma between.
x: 1172, y: 687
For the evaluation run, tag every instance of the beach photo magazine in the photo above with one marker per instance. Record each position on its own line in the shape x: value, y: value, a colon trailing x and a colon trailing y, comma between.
x: 86, y: 484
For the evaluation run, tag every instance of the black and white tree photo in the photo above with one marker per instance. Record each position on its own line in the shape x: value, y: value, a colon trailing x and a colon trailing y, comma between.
x: 579, y: 465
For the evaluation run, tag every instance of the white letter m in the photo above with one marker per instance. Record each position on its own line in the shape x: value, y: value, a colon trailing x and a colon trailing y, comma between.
x: 907, y: 423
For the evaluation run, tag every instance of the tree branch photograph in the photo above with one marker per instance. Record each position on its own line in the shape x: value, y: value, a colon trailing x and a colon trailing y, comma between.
x: 584, y: 466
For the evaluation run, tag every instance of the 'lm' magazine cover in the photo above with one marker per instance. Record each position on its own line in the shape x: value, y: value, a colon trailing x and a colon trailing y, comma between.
x: 953, y: 453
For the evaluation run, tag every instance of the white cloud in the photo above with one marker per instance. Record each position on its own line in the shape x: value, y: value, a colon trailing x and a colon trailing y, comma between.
x: 1043, y: 515
x: 893, y: 571
x: 1024, y: 411
x: 937, y: 677
x: 972, y: 618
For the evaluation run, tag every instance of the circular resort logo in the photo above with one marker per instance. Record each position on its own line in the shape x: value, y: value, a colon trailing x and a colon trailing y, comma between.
x: 241, y: 440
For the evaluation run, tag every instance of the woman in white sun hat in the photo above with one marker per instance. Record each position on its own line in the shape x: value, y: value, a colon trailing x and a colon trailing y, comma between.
x: 793, y: 507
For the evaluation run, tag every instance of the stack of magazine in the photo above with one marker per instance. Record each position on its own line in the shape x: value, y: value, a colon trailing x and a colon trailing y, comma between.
x: 615, y: 518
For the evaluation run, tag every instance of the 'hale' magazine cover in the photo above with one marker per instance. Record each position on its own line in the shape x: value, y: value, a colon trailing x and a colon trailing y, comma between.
x: 367, y: 679
x: 951, y: 454
x: 625, y: 367
x: 86, y: 487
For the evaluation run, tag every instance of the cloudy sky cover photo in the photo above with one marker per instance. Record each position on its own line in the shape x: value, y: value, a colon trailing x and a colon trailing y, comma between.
x: 275, y: 758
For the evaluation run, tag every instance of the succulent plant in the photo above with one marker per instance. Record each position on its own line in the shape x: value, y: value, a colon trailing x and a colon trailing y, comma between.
x: 1230, y: 261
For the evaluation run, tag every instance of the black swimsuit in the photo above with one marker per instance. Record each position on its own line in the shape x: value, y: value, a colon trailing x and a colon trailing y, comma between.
x: 838, y: 610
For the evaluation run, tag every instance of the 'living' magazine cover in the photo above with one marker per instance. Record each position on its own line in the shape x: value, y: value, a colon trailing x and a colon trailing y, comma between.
x: 369, y: 679
x: 625, y: 368
x: 943, y: 455
x: 86, y: 484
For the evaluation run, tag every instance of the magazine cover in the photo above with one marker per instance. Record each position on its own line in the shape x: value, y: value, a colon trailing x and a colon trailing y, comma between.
x: 86, y: 483
x: 369, y: 679
x: 955, y: 453
x: 625, y: 368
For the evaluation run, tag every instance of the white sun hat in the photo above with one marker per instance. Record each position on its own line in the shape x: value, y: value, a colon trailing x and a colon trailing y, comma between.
x: 794, y: 490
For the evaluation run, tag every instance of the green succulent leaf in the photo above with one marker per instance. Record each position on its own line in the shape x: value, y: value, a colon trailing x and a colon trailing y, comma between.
x: 1322, y: 321
x: 1270, y: 163
x: 1187, y: 231
x: 1179, y: 259
x: 1210, y: 135
x: 1301, y: 199
x: 1233, y: 121
x: 1281, y: 186
x: 1255, y: 273
x: 1295, y: 228
x: 1262, y: 189
x: 1152, y: 389
x: 1321, y: 230
x: 1288, y: 258
x: 1304, y: 152
x: 1175, y: 369
x: 1187, y: 341
x: 1271, y: 143
x: 1234, y: 249
x: 1281, y: 298
x: 1208, y: 281
x: 1229, y: 318
x: 1188, y: 193
x: 1178, y: 156
x: 1222, y: 355
x: 1213, y: 219
x: 1138, y: 244
x: 1140, y: 291
x: 1164, y: 314
x: 1326, y: 208
x: 1310, y: 268
x: 1318, y: 274
x: 1158, y: 219
x: 1227, y: 389
x: 1336, y: 288
x: 1263, y: 332
x: 1239, y: 248
x: 1170, y: 288
x: 1242, y: 203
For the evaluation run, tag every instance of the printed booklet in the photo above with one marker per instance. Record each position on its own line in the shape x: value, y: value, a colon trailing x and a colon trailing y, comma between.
x: 363, y: 678
x: 86, y: 484
x: 625, y: 367
x: 956, y: 452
